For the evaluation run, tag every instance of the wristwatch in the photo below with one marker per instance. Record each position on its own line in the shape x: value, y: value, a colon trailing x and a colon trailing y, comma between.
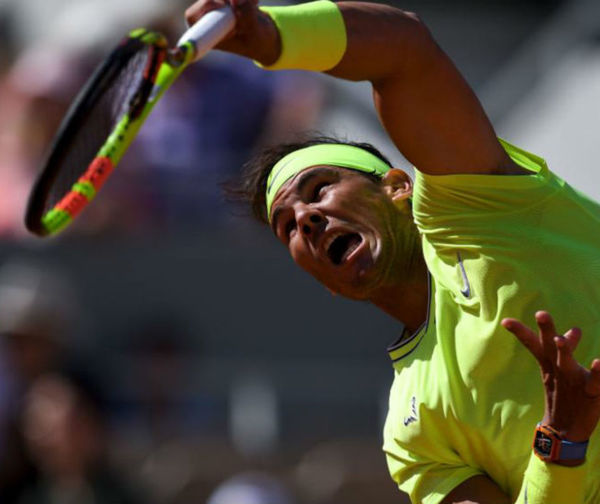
x: 550, y: 446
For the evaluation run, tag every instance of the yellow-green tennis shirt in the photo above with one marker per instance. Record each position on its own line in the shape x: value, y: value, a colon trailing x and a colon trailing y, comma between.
x: 466, y: 395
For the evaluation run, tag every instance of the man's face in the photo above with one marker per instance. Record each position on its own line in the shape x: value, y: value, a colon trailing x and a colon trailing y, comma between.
x: 342, y: 227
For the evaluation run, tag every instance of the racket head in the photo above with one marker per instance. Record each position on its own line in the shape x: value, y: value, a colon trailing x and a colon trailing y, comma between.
x: 97, y: 129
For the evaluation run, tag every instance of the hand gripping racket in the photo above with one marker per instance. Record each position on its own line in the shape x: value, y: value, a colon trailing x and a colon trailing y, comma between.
x: 107, y: 114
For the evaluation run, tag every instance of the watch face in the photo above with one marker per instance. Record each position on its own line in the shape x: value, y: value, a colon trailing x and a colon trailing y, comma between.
x: 543, y: 444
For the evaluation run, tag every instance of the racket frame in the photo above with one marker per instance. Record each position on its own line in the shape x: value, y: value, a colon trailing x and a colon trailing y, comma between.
x: 162, y: 69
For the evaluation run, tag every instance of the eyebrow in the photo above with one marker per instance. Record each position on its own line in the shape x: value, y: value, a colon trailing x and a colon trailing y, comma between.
x: 305, y: 178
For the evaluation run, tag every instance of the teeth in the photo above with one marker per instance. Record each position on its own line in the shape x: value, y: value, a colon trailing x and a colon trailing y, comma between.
x: 331, y: 239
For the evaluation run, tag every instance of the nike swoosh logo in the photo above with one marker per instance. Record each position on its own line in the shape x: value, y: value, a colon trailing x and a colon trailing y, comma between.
x: 466, y: 290
x: 413, y: 409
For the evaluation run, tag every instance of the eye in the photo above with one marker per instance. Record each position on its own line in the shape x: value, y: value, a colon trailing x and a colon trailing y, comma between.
x: 316, y: 195
x: 289, y: 227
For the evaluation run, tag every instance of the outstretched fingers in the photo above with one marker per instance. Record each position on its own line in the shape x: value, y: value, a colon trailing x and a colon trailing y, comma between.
x: 548, y: 347
x: 547, y: 335
x: 525, y: 335
x: 565, y: 346
x: 592, y: 387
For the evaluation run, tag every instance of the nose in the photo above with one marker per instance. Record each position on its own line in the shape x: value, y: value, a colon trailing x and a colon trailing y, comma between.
x: 309, y: 220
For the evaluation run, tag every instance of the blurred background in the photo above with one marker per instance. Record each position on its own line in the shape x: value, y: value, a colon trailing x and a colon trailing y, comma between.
x: 165, y: 349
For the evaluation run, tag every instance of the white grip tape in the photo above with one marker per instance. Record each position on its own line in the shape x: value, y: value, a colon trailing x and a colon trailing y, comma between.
x: 209, y: 30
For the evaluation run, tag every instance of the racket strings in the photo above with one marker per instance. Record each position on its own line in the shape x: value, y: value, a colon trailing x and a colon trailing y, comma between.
x: 109, y: 103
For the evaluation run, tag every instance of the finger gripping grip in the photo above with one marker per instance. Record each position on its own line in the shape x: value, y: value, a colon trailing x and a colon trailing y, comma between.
x: 208, y: 31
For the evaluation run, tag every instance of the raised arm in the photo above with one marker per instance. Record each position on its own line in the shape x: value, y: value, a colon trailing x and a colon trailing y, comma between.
x: 429, y: 111
x: 424, y: 103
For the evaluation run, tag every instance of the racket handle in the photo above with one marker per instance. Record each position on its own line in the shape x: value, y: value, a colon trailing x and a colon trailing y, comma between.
x: 208, y: 31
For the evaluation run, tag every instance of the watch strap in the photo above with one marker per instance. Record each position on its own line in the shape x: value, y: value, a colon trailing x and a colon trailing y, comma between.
x: 570, y: 450
x: 550, y: 446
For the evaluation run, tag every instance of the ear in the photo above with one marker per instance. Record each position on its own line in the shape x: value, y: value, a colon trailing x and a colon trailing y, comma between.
x: 397, y: 185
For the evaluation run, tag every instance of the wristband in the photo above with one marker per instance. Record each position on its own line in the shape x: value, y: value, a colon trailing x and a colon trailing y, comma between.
x: 313, y: 36
x: 546, y: 483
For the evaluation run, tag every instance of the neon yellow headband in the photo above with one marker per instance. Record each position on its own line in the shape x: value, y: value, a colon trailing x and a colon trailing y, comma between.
x: 346, y: 156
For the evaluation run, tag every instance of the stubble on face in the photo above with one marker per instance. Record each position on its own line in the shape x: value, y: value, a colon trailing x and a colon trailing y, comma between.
x: 349, y: 204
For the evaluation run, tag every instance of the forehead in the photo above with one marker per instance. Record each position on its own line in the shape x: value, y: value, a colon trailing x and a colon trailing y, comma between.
x: 293, y: 187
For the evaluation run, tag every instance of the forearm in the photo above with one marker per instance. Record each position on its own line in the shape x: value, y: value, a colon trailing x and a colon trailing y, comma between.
x: 381, y: 41
x: 419, y: 94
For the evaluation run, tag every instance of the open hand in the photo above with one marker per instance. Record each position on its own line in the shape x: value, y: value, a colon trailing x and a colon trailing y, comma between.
x: 572, y: 391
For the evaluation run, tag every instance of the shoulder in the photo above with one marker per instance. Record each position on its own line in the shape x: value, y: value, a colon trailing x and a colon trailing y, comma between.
x: 499, y: 158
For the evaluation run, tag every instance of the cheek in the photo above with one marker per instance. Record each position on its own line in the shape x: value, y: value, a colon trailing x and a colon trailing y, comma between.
x: 303, y: 257
x: 308, y: 264
x: 364, y: 206
x: 300, y: 253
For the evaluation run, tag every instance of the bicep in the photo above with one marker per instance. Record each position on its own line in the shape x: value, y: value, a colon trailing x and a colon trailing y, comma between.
x: 428, y: 109
x: 477, y: 490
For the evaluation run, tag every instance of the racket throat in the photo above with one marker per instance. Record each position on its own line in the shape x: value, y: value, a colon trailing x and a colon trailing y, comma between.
x: 177, y: 57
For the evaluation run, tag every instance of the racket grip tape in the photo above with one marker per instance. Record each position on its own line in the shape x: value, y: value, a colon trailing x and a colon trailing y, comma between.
x: 208, y: 31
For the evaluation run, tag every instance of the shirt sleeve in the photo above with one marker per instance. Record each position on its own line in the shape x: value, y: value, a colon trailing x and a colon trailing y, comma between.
x: 426, y: 481
x: 441, y: 203
x: 420, y: 455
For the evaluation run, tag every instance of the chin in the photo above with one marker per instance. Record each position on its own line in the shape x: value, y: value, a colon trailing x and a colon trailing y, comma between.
x: 354, y: 296
x: 358, y: 290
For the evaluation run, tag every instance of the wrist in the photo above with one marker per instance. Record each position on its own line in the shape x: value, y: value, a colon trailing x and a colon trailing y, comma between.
x: 569, y: 463
x: 264, y: 46
x: 269, y: 49
x: 577, y: 434
x: 262, y: 43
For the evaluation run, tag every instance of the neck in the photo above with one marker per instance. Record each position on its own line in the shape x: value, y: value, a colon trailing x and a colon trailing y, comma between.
x: 406, y: 303
x: 407, y: 299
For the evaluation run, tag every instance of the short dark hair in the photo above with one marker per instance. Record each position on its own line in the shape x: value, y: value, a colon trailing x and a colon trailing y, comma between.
x: 250, y: 187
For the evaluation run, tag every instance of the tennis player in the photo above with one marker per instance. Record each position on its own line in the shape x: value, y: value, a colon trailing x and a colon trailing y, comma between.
x: 486, y: 232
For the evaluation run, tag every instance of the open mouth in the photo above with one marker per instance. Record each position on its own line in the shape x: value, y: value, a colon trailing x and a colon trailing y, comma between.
x: 342, y: 246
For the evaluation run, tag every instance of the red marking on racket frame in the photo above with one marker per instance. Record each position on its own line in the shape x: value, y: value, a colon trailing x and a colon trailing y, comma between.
x: 98, y: 171
x: 72, y: 203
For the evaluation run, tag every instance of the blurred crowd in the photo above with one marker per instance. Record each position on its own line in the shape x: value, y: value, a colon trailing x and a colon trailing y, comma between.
x: 216, y: 115
x: 67, y: 436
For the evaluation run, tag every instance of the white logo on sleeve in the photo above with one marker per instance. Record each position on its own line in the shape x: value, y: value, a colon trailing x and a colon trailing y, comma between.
x: 413, y: 410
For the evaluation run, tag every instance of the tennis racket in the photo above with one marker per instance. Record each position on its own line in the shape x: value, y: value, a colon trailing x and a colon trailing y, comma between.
x: 107, y: 114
